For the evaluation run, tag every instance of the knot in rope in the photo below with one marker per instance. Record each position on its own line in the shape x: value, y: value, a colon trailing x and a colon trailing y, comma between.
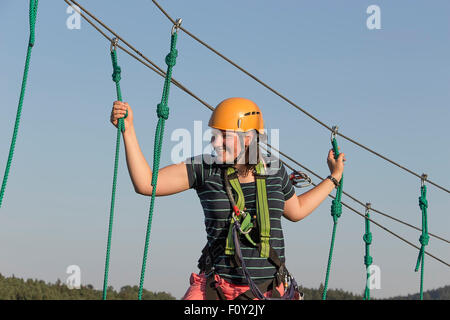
x: 368, y: 238
x: 423, y: 239
x: 368, y: 260
x: 423, y: 202
x: 171, y: 58
x: 162, y: 111
x: 116, y: 76
x: 336, y: 209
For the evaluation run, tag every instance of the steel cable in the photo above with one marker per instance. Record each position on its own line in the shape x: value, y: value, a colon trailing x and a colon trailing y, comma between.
x: 157, y: 70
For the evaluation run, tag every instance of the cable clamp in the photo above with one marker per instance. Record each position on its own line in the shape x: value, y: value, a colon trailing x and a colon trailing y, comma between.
x: 177, y: 25
x: 368, y: 207
x: 423, y: 179
x: 114, y: 43
x: 334, y: 132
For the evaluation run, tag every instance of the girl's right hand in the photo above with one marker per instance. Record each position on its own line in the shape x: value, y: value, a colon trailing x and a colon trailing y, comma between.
x: 119, y: 110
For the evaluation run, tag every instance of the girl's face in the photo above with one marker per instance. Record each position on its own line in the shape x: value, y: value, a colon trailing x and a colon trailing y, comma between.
x: 226, y: 144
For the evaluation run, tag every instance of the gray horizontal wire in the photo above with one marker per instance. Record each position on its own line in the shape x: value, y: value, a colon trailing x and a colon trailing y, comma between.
x: 157, y: 69
x: 374, y: 222
x: 153, y: 66
x: 291, y: 102
x: 353, y: 198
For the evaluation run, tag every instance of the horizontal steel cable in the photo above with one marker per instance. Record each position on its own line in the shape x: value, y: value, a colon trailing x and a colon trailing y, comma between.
x: 353, y: 198
x: 369, y: 219
x: 157, y: 69
x: 153, y: 66
x: 291, y: 102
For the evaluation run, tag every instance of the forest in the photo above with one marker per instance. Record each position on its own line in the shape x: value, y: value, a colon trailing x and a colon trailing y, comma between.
x: 13, y: 288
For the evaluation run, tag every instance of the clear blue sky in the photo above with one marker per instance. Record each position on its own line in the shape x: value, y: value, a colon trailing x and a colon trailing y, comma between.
x: 388, y: 89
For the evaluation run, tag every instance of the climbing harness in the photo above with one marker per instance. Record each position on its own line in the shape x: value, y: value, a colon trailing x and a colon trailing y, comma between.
x: 163, y: 114
x: 336, y: 211
x: 242, y: 224
x: 239, y: 215
x: 32, y: 18
x: 424, y: 238
x: 367, y: 258
x: 116, y: 77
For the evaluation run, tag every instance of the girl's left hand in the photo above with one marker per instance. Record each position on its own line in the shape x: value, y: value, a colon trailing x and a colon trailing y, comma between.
x: 336, y: 166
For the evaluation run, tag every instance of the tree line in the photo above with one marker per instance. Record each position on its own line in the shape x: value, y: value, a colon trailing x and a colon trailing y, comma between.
x: 12, y: 288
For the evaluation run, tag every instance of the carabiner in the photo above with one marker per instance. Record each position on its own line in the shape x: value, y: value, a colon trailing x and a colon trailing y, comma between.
x: 237, y: 224
x: 300, y: 179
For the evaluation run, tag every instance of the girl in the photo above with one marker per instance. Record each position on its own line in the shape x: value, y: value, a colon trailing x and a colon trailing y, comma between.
x: 243, y: 193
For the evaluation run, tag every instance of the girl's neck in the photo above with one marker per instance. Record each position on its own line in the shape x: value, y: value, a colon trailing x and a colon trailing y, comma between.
x: 243, y: 170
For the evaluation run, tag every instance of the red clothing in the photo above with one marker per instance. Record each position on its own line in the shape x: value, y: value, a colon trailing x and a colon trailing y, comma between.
x: 197, y: 289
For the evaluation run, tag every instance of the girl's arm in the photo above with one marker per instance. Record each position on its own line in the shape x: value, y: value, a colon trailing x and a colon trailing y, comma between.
x: 171, y: 179
x: 298, y: 207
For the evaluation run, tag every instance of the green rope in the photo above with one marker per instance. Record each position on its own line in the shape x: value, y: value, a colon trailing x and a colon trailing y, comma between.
x: 32, y: 18
x: 336, y: 211
x: 163, y: 114
x: 116, y: 76
x: 424, y: 238
x: 367, y: 258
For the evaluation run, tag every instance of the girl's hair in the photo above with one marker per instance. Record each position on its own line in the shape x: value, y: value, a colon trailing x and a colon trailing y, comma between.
x: 252, y: 151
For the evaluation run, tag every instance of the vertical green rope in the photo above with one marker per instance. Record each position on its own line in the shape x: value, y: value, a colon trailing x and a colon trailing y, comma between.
x: 163, y: 114
x: 367, y: 258
x: 336, y: 211
x: 32, y: 17
x: 424, y: 238
x: 116, y: 76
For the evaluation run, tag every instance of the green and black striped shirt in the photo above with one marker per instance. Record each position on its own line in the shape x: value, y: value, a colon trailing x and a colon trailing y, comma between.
x: 206, y: 178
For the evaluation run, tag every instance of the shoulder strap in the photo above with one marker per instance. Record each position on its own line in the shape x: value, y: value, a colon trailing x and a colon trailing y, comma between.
x: 262, y: 208
x: 231, y: 180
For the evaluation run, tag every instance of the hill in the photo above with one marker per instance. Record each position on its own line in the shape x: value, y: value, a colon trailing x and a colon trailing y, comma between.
x: 435, y: 294
x: 12, y: 288
x: 442, y: 293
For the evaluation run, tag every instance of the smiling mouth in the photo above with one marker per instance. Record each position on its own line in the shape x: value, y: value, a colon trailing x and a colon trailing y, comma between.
x: 221, y: 150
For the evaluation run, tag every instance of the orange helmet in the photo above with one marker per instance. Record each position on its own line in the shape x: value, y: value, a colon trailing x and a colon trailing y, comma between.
x: 237, y: 114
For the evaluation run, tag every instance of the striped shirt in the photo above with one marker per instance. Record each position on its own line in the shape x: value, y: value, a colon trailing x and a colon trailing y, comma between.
x: 205, y: 177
